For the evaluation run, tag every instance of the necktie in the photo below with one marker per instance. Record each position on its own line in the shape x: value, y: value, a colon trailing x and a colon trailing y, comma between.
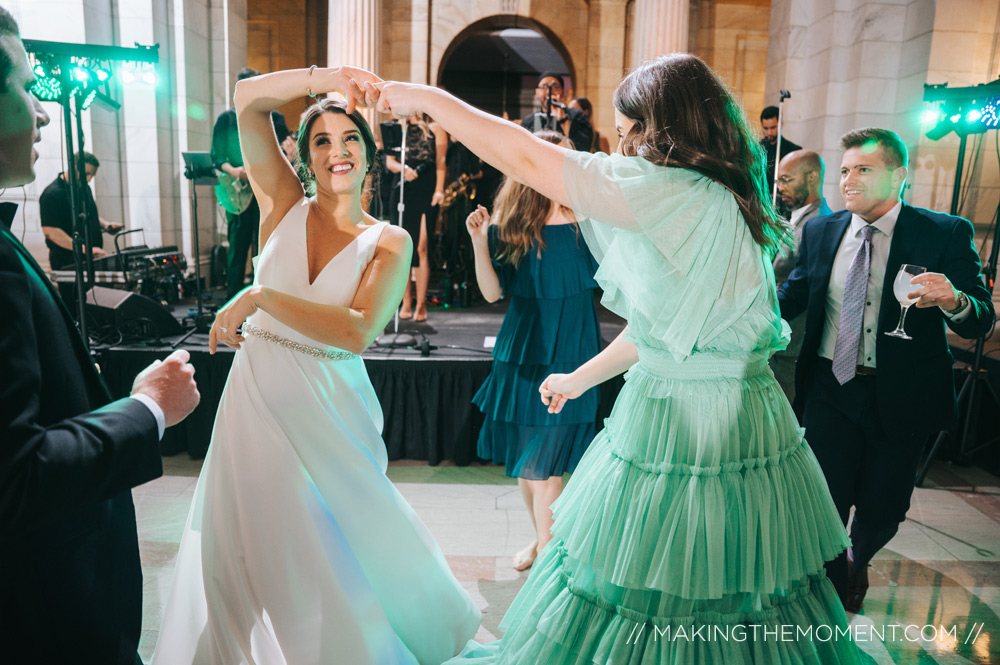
x: 852, y: 312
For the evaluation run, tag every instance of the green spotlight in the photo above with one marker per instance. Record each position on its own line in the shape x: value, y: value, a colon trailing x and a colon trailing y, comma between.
x: 89, y: 99
x: 956, y: 117
x: 931, y: 117
x: 103, y: 74
x: 47, y: 89
x: 973, y: 116
x: 40, y: 71
x: 81, y: 74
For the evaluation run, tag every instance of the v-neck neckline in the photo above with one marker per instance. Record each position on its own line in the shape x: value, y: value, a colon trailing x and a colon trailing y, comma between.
x: 305, y: 233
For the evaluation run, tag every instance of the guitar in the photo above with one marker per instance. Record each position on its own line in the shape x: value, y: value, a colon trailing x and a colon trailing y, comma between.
x: 234, y: 194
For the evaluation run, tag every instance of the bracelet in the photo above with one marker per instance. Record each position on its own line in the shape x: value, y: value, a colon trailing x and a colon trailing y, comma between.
x: 309, y: 88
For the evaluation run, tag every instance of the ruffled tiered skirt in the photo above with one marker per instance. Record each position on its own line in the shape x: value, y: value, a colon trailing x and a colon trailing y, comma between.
x: 539, y: 337
x: 694, y: 531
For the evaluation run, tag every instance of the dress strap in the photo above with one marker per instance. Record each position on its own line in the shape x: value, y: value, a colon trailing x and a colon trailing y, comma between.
x: 368, y: 240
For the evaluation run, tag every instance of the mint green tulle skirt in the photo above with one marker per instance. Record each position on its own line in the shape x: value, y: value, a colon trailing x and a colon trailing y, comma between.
x: 694, y: 531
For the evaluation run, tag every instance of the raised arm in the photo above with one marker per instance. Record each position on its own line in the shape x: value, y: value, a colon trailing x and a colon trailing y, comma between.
x: 274, y: 182
x: 478, y: 224
x: 511, y: 149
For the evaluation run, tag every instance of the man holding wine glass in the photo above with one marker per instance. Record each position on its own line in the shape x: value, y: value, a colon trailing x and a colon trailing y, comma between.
x: 870, y: 391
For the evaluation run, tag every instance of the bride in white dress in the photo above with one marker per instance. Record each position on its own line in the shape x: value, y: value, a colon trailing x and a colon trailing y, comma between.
x: 298, y: 550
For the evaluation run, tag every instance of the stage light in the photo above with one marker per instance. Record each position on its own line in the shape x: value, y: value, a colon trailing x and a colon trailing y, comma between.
x: 47, y: 89
x: 973, y: 116
x: 40, y: 71
x: 931, y: 117
x: 89, y: 99
x: 103, y: 74
x: 81, y: 74
x: 955, y: 118
x: 149, y: 78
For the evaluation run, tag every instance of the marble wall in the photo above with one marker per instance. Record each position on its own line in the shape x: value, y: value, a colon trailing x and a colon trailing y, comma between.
x: 856, y: 63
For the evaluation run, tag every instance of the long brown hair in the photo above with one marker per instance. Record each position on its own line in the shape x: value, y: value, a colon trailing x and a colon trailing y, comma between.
x: 520, y: 212
x: 686, y: 117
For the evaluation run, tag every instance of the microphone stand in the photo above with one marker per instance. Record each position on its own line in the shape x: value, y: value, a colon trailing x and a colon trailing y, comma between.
x: 397, y: 340
x: 784, y: 94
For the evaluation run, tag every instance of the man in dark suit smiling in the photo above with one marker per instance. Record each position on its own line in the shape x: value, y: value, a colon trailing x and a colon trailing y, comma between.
x: 869, y: 401
x: 70, y: 581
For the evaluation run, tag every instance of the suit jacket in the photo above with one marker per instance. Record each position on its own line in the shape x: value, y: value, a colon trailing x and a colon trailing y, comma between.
x: 581, y: 132
x: 914, y: 384
x: 784, y: 263
x: 70, y: 580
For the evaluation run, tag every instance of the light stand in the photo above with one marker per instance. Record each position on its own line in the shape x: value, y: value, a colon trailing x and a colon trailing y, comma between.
x: 783, y: 95
x: 66, y: 63
x: 968, y: 402
x: 396, y: 340
x: 198, y: 168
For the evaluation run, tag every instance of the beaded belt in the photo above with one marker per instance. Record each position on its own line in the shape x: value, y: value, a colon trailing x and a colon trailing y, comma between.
x: 296, y: 346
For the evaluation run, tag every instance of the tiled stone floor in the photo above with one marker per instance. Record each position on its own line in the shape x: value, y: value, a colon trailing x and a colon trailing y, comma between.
x: 942, y: 569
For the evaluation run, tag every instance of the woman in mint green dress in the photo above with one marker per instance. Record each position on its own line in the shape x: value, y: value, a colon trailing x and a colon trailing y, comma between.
x: 697, y: 524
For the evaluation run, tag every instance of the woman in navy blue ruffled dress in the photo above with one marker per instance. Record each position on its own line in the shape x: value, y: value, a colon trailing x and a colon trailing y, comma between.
x: 533, y: 252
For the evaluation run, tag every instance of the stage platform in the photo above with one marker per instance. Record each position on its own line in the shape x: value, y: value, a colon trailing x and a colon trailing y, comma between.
x: 427, y: 399
x: 426, y: 396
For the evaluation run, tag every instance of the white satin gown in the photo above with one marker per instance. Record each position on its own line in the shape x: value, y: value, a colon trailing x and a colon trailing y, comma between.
x: 298, y: 550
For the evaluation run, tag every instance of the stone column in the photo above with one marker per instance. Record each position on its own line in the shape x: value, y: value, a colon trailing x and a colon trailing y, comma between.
x: 606, y: 59
x: 355, y: 37
x: 659, y: 27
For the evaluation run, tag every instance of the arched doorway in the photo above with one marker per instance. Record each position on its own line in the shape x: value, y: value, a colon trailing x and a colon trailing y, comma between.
x: 494, y: 64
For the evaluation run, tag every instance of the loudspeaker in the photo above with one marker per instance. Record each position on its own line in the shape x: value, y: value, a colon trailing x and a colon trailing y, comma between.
x: 125, y: 309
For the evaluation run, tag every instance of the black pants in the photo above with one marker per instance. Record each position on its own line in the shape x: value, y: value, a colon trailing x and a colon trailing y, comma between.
x: 243, y: 230
x: 865, y: 466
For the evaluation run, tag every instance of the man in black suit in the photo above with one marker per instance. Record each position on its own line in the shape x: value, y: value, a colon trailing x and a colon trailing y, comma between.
x: 70, y: 580
x: 556, y: 116
x: 869, y: 401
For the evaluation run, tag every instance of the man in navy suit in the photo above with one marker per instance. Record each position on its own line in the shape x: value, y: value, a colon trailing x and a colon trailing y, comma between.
x: 869, y: 401
x: 70, y: 580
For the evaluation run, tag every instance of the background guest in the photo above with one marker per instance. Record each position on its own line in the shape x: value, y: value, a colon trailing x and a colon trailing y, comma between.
x: 868, y: 400
x: 534, y: 253
x: 800, y: 182
x: 599, y: 143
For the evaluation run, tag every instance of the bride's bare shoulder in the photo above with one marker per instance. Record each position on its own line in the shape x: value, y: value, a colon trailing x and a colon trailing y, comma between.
x: 395, y: 240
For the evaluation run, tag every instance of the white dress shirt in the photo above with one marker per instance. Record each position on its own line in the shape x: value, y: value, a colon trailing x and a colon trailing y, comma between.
x: 881, y: 241
x: 154, y: 408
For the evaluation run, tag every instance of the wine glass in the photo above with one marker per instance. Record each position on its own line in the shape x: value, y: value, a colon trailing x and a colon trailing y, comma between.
x: 901, y: 287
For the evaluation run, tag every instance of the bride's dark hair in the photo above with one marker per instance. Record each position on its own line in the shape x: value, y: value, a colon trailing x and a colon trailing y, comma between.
x: 302, y: 144
x: 686, y: 117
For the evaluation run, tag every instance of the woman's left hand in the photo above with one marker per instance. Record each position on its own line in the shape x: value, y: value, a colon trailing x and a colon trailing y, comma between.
x: 438, y: 198
x: 557, y: 389
x: 229, y: 319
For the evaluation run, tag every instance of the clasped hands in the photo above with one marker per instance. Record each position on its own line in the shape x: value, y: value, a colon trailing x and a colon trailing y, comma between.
x: 935, y: 290
x: 363, y: 88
